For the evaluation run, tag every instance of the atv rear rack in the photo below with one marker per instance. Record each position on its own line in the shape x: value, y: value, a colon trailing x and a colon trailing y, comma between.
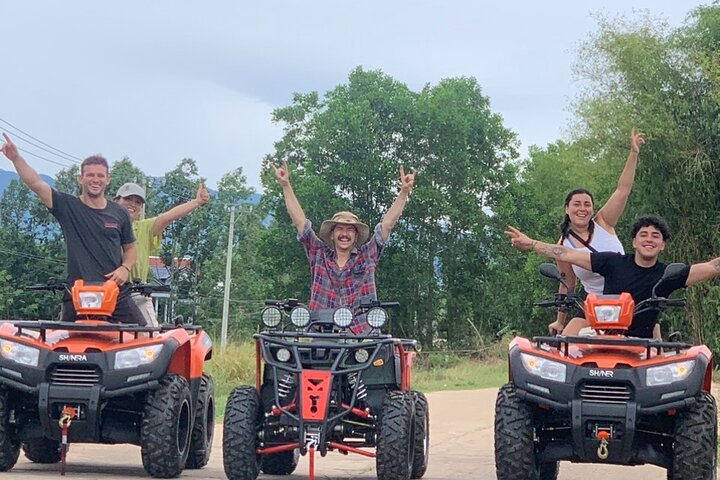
x: 648, y: 343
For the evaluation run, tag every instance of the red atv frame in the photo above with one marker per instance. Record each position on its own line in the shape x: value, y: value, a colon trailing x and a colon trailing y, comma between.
x: 606, y: 398
x: 95, y: 381
x: 319, y: 388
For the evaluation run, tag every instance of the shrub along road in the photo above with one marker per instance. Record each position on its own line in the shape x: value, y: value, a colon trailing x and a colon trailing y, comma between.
x: 461, y: 446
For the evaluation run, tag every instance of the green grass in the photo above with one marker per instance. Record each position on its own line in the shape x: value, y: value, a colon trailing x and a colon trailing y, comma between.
x: 431, y: 372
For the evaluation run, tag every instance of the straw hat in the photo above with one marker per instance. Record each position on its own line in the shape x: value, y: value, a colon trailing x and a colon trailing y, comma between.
x: 344, y: 218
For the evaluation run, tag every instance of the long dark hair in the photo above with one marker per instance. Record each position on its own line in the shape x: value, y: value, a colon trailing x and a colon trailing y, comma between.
x: 565, y: 225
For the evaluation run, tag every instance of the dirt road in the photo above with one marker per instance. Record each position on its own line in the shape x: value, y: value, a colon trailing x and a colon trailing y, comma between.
x: 461, y: 446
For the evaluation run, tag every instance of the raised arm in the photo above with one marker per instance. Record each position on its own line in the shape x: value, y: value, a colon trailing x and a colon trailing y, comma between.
x: 701, y: 272
x: 558, y: 252
x: 407, y: 182
x: 282, y: 176
x: 28, y: 176
x: 179, y: 211
x: 610, y: 213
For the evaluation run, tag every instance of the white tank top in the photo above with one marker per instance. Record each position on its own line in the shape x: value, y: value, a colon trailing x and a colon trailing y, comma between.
x: 602, y: 241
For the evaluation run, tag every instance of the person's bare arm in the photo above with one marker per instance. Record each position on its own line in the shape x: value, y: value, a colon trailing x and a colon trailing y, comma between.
x: 611, y: 212
x: 407, y: 182
x: 166, y: 218
x: 701, y: 272
x: 282, y: 176
x: 551, y: 250
x: 26, y: 173
x: 121, y: 274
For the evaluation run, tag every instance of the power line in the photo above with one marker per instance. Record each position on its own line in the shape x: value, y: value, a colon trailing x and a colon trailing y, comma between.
x: 43, y: 158
x: 69, y: 156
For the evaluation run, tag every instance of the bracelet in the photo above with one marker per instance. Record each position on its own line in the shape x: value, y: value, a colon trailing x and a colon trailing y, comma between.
x: 125, y: 267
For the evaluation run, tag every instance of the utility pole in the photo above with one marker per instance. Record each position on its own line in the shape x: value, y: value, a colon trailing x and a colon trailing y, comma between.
x: 228, y: 267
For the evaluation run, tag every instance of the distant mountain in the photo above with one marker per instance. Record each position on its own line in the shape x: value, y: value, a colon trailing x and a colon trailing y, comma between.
x: 8, y: 176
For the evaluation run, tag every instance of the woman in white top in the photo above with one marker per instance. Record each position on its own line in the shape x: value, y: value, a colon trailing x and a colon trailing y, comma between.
x: 583, y: 231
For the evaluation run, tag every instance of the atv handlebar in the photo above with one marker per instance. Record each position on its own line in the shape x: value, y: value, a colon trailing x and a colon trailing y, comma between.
x: 144, y: 288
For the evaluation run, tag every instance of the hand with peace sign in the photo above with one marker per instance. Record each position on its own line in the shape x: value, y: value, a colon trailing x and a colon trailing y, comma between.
x: 282, y: 174
x: 407, y: 181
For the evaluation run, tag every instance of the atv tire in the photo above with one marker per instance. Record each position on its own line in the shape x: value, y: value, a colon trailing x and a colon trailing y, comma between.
x: 42, y: 450
x: 165, y: 428
x: 421, y: 440
x: 9, y: 445
x: 243, y: 416
x: 203, y: 426
x: 395, y: 442
x: 514, y: 438
x: 695, y: 441
x: 282, y: 463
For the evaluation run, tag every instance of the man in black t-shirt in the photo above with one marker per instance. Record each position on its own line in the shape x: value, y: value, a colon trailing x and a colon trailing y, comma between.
x: 635, y: 273
x: 98, y: 234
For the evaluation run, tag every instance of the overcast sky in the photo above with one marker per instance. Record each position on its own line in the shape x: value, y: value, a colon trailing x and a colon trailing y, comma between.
x: 158, y: 81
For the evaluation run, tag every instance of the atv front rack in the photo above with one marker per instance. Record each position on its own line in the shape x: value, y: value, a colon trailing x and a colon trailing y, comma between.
x: 649, y: 344
x: 43, y: 326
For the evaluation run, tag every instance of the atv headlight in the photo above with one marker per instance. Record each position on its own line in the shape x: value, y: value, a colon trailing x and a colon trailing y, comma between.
x: 271, y: 316
x: 283, y: 355
x: 135, y: 357
x: 343, y: 317
x: 668, y: 373
x: 17, y: 352
x: 544, y: 368
x: 376, y: 317
x: 608, y: 313
x: 300, y: 316
x: 91, y: 299
x: 361, y: 355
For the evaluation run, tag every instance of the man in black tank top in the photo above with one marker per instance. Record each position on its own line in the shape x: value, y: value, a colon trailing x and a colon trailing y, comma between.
x: 634, y: 273
x: 98, y: 234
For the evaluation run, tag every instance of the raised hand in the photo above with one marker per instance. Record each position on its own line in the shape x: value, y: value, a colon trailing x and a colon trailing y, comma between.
x: 519, y: 240
x: 9, y: 149
x: 282, y: 174
x: 636, y: 139
x: 203, y: 196
x: 407, y: 181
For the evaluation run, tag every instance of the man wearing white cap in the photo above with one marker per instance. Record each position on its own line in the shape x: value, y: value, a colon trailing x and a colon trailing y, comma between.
x: 343, y: 256
x: 148, y: 232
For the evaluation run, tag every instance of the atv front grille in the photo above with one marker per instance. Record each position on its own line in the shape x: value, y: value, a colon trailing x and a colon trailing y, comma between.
x: 604, y: 393
x: 75, y: 376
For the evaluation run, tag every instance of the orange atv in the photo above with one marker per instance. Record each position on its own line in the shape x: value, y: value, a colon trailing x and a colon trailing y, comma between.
x: 606, y: 398
x: 94, y: 381
x: 319, y: 388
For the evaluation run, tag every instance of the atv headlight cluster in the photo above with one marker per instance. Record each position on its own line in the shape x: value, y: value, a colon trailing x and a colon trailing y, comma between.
x: 271, y: 317
x: 300, y: 316
x: 608, y: 313
x: 343, y: 317
x: 544, y: 368
x: 668, y: 373
x: 17, y: 352
x: 135, y: 357
x: 376, y: 318
x: 91, y: 299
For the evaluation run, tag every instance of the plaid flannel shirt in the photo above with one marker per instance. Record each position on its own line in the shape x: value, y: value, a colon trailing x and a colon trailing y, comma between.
x: 333, y: 286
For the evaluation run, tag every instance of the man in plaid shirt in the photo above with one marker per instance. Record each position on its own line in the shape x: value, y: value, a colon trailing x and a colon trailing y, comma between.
x: 343, y: 256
